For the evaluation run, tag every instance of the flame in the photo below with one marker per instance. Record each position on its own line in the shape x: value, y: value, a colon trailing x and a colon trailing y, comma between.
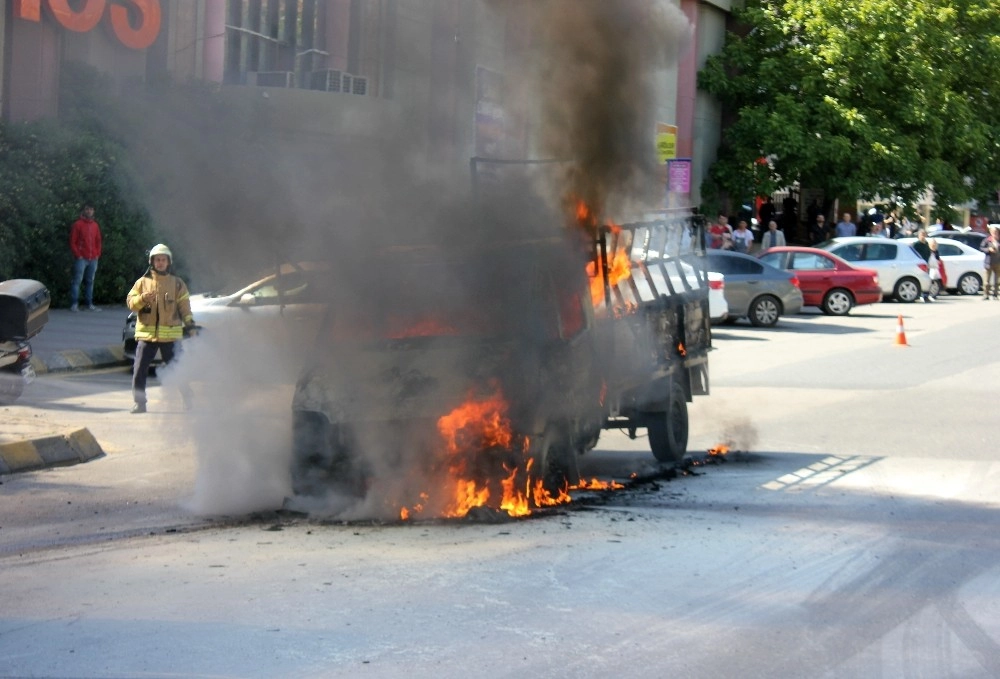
x: 596, y: 484
x: 483, y: 424
x: 619, y: 270
x: 718, y: 451
x: 477, y: 436
x: 543, y: 498
x: 681, y: 350
x: 514, y: 502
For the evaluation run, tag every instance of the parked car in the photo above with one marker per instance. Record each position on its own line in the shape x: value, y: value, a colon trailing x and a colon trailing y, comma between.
x: 973, y: 239
x: 902, y: 272
x: 755, y: 290
x: 963, y: 265
x: 718, y: 307
x: 288, y: 294
x: 826, y: 280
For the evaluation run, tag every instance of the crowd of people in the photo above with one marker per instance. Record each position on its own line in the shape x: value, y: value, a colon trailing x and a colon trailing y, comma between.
x: 721, y: 235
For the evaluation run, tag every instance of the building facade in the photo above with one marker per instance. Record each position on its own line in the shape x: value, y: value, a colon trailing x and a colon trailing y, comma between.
x: 435, y: 69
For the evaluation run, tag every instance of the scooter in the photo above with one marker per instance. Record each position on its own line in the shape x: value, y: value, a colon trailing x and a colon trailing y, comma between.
x: 24, y: 311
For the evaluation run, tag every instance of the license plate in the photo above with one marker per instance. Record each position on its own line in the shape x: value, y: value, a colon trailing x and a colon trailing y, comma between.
x: 28, y: 374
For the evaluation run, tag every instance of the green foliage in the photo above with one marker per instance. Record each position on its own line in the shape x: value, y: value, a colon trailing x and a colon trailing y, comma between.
x: 864, y: 98
x: 48, y: 170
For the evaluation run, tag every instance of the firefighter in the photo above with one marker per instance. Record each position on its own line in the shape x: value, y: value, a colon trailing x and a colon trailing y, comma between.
x: 161, y: 302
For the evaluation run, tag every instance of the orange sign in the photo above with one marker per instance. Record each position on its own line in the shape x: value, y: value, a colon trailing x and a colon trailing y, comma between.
x: 90, y: 13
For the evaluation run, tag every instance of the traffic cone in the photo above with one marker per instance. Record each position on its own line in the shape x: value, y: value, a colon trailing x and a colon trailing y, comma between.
x: 900, y: 335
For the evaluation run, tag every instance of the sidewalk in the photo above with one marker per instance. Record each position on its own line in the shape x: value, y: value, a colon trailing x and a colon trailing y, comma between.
x: 69, y: 341
x: 79, y: 340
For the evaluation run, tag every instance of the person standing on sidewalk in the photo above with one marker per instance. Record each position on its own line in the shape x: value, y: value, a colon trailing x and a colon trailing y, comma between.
x: 923, y: 249
x: 85, y: 244
x: 772, y: 237
x: 991, y: 246
x: 163, y: 308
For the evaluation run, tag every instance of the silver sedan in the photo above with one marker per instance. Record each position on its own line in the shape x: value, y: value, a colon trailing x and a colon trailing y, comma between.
x: 754, y: 290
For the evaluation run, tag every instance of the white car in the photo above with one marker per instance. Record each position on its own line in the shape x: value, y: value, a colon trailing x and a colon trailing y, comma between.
x: 289, y: 296
x: 963, y: 265
x: 902, y: 272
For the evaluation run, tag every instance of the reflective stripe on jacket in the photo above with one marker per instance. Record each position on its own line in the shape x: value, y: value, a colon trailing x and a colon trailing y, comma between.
x: 165, y: 320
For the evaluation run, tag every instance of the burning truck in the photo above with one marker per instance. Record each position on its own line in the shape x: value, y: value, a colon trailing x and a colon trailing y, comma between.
x: 477, y: 373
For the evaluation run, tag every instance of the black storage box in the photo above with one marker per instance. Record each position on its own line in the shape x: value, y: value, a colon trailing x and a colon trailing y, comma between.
x: 24, y: 308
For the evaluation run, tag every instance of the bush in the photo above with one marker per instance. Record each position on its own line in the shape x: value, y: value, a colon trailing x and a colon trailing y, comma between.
x: 48, y: 170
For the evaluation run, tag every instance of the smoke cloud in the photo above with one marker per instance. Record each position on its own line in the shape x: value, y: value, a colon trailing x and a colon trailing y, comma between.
x: 238, y: 184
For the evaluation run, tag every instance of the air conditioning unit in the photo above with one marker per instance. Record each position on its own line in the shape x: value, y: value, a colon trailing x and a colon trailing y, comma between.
x: 271, y: 78
x: 354, y: 84
x: 328, y: 80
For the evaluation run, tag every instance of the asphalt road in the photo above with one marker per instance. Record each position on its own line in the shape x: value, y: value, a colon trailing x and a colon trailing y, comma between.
x: 851, y: 533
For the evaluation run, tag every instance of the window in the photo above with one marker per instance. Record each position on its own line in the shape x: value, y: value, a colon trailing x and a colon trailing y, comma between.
x: 880, y: 251
x: 852, y: 253
x: 734, y: 265
x: 810, y: 261
x: 309, y: 44
x: 946, y: 250
x: 775, y: 259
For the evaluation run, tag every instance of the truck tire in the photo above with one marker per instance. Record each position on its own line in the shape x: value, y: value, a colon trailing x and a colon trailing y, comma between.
x: 318, y: 464
x: 668, y: 431
x: 557, y: 461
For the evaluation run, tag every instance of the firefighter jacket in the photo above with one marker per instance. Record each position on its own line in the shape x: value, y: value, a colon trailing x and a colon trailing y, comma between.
x: 163, y: 321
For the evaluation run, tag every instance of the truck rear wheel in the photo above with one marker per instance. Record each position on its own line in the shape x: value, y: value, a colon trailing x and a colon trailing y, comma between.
x: 668, y: 431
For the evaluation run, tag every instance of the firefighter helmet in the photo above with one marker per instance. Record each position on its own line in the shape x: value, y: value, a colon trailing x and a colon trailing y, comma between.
x: 160, y: 249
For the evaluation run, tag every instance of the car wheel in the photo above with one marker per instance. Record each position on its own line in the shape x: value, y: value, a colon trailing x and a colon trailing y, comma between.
x: 907, y: 290
x: 935, y: 288
x: 764, y: 311
x: 970, y: 284
x: 668, y: 431
x: 838, y: 302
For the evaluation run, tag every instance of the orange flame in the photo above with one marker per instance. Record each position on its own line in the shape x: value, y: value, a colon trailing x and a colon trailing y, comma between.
x: 596, y: 484
x: 718, y: 451
x: 681, y: 350
x: 619, y: 270
x: 483, y: 424
x: 476, y: 436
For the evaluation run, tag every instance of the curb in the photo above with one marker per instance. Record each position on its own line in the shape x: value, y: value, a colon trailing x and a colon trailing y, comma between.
x: 50, y: 451
x: 78, y: 359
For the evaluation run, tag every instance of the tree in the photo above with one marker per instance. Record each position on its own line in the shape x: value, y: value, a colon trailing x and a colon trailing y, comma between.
x: 48, y: 170
x: 864, y: 98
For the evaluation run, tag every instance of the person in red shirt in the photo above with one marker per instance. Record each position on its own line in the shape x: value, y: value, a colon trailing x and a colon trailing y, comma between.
x: 719, y: 234
x: 85, y: 243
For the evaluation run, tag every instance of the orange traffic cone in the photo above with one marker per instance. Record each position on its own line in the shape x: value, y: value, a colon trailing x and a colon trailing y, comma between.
x: 900, y: 335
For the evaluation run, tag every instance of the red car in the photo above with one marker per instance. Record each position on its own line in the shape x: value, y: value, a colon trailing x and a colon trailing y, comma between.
x: 827, y: 281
